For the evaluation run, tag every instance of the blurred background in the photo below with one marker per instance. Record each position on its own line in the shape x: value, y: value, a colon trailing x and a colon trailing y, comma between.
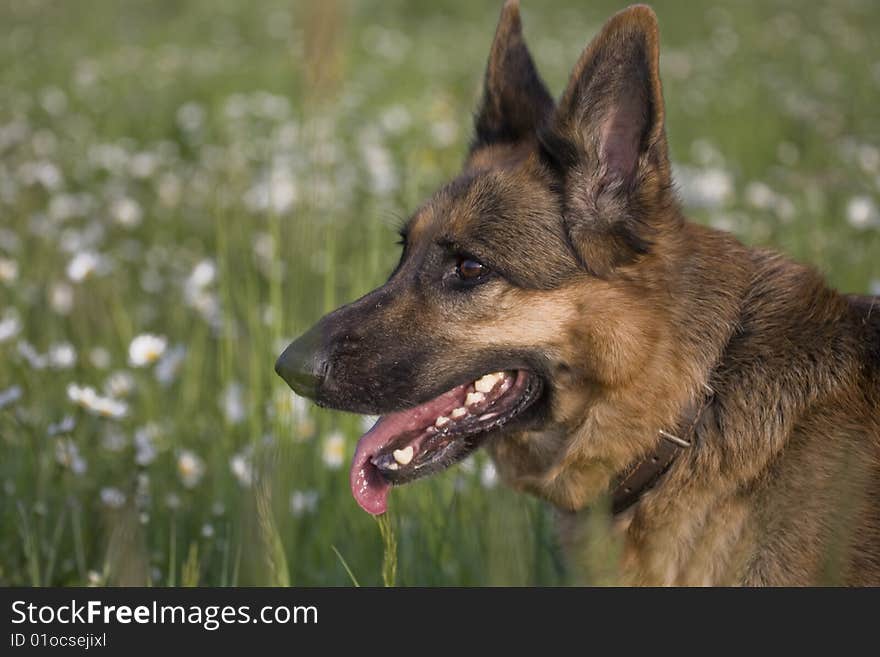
x: 185, y: 186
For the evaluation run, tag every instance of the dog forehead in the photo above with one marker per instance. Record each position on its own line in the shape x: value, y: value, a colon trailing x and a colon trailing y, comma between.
x: 461, y: 207
x: 447, y: 210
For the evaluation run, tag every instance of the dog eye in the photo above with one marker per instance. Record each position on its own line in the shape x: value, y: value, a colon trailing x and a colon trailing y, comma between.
x: 470, y: 270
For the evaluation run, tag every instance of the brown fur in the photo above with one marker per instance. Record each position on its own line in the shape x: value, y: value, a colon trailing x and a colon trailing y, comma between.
x: 627, y: 310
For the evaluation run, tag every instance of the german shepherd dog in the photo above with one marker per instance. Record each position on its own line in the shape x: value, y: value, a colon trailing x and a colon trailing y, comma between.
x: 552, y: 304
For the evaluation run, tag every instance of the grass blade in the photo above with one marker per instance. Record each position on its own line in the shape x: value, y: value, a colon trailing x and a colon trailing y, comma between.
x: 345, y: 565
x: 389, y: 544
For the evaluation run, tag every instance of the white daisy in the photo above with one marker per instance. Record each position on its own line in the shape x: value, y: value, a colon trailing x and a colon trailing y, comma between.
x: 232, y: 402
x: 84, y: 265
x: 190, y: 468
x: 334, y: 451
x: 144, y: 444
x: 65, y: 425
x: 303, y: 502
x: 242, y: 470
x: 190, y: 117
x: 862, y: 212
x: 33, y: 357
x: 169, y: 365
x: 112, y: 497
x: 119, y: 384
x: 61, y: 298
x: 709, y: 188
x: 62, y: 356
x: 488, y: 475
x: 126, y: 212
x: 86, y: 397
x: 67, y: 454
x: 146, y: 349
x: 10, y: 325
x: 202, y: 275
x: 8, y: 270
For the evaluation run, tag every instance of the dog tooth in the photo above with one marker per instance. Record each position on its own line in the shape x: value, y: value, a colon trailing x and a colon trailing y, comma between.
x: 441, y: 421
x: 474, y: 398
x: 392, y: 466
x: 488, y: 416
x: 461, y: 411
x: 405, y: 455
x: 487, y: 382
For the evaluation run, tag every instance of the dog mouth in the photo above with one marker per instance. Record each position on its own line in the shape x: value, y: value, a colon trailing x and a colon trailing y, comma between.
x: 419, y: 441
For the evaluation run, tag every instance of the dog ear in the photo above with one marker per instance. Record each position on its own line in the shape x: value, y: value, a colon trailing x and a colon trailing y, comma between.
x: 515, y: 100
x: 608, y: 141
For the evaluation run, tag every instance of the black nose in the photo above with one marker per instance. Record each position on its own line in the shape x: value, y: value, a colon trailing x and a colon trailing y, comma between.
x: 303, y: 364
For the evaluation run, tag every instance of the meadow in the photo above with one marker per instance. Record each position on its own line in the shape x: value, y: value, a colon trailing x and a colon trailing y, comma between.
x: 185, y: 186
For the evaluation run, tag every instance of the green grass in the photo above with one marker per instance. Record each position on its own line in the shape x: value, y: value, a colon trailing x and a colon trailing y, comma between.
x: 360, y: 110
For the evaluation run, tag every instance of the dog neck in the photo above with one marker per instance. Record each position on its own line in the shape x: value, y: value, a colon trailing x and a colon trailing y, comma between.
x: 644, y: 474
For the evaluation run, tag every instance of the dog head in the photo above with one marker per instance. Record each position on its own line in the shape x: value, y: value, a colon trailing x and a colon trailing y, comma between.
x: 527, y: 288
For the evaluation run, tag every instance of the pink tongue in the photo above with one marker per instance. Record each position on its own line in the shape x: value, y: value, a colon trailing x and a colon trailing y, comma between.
x: 369, y: 488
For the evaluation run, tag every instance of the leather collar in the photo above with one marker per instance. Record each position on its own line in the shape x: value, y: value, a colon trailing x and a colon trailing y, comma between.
x: 642, y: 475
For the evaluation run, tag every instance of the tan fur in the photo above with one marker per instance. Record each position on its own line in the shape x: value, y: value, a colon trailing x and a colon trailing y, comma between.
x: 708, y: 522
